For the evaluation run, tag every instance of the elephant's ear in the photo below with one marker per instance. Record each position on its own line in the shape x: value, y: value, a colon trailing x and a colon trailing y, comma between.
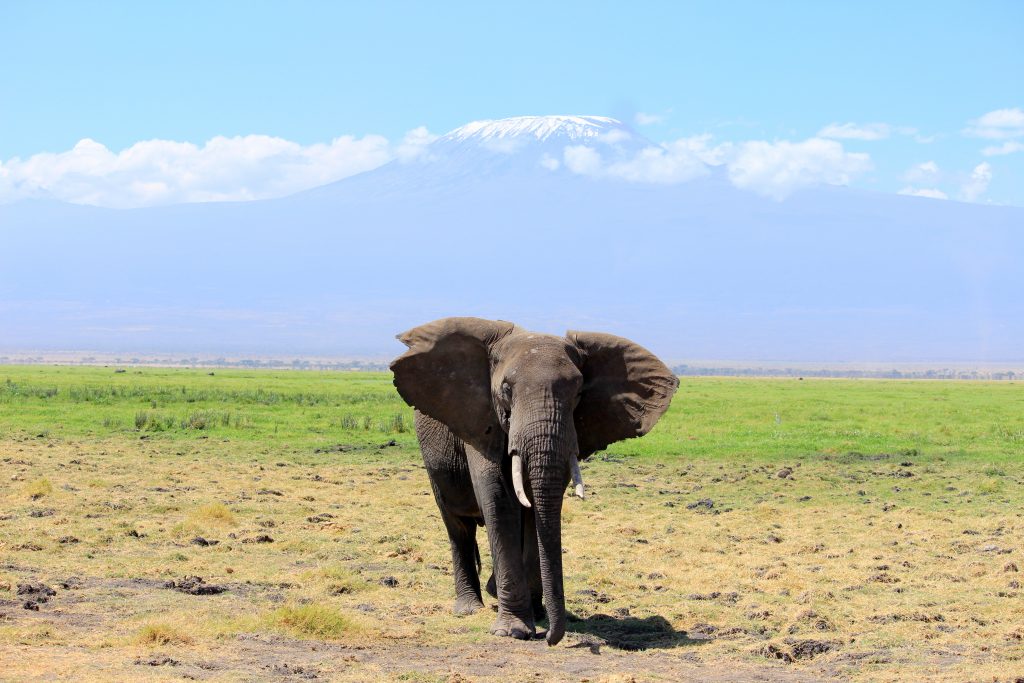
x: 626, y: 389
x: 446, y: 373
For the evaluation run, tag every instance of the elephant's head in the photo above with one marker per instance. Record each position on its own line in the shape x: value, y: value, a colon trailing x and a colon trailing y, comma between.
x: 556, y: 398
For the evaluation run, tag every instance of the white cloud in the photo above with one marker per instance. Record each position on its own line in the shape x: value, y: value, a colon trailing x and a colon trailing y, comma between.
x: 998, y: 124
x: 701, y: 147
x: 923, y: 172
x: 550, y: 163
x: 931, y: 193
x: 853, y: 131
x: 643, y: 119
x: 583, y: 160
x: 414, y: 144
x: 776, y: 169
x: 649, y: 165
x: 1008, y: 147
x: 977, y: 184
x: 223, y: 169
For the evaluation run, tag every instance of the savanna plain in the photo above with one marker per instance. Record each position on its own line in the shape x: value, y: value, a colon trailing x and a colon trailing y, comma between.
x: 230, y: 525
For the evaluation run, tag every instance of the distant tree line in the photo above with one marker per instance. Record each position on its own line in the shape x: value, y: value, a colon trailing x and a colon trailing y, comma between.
x: 893, y: 373
x: 380, y: 366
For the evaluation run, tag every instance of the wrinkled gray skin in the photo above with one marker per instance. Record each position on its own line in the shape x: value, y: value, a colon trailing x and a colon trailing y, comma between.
x: 486, y: 390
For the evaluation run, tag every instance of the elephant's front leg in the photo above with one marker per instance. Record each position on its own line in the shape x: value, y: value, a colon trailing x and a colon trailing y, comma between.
x: 502, y: 517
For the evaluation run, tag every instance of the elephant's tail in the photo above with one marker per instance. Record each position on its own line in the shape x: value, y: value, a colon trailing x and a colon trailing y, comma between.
x: 476, y: 552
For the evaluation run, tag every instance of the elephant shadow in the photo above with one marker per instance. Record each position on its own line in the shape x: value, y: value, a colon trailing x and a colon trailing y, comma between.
x: 629, y: 633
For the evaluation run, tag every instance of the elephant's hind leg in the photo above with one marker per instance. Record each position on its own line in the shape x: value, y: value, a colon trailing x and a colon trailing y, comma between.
x: 445, y: 458
x: 465, y: 562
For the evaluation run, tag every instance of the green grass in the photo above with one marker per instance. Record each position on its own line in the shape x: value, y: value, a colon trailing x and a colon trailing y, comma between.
x: 710, y: 417
x: 290, y: 406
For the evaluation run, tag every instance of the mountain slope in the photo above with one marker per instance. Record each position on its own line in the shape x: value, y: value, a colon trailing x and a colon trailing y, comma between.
x: 482, y: 223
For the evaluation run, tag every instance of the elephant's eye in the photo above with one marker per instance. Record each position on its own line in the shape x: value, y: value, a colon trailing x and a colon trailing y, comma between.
x: 506, y: 391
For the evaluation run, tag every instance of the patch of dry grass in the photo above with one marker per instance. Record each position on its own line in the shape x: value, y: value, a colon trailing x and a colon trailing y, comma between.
x: 717, y: 561
x: 162, y: 634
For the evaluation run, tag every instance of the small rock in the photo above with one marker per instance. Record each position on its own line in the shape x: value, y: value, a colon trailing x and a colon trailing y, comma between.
x: 882, y: 577
x: 262, y: 538
x: 389, y: 581
x: 808, y: 649
x: 320, y: 518
x: 772, y: 651
x: 784, y: 473
x: 703, y: 630
x: 195, y: 585
x: 156, y: 660
x: 39, y: 592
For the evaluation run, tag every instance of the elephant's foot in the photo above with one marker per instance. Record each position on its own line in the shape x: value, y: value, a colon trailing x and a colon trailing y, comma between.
x: 467, y: 604
x: 511, y: 626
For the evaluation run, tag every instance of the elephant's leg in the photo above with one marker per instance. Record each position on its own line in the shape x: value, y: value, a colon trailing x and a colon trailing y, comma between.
x: 502, y: 517
x: 445, y: 458
x: 465, y: 562
x: 531, y: 564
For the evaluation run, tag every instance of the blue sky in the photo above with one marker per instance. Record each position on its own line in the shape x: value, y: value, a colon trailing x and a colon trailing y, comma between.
x: 919, y: 77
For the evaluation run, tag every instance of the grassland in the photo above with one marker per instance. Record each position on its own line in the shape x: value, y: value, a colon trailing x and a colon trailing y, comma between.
x: 782, y: 529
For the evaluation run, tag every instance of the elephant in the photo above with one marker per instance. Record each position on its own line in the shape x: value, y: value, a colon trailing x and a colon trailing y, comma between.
x: 503, y: 416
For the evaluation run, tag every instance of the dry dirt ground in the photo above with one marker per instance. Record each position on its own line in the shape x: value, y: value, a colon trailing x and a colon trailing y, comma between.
x: 140, y: 559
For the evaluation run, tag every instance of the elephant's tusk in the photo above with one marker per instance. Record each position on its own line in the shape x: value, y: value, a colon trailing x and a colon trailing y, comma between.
x: 577, y: 477
x: 517, y: 480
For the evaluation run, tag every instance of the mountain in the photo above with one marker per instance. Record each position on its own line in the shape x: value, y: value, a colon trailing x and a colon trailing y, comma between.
x: 488, y: 220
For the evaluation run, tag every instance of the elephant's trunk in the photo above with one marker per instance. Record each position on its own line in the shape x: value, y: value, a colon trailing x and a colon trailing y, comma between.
x: 548, y: 476
x: 543, y: 439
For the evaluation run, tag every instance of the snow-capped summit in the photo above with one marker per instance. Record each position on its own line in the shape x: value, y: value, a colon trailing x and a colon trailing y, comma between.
x: 575, y: 128
x: 544, y: 134
x: 518, y: 149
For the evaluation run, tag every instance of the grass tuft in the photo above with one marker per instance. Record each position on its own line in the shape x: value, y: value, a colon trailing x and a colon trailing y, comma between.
x: 162, y: 634
x: 39, y: 488
x: 317, y: 621
x: 217, y: 513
